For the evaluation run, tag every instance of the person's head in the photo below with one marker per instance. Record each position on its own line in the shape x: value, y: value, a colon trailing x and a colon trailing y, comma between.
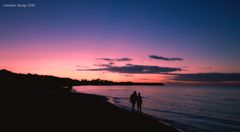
x: 139, y: 94
x: 135, y: 92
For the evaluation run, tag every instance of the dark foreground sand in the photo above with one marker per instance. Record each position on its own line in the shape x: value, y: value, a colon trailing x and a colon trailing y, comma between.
x: 72, y: 112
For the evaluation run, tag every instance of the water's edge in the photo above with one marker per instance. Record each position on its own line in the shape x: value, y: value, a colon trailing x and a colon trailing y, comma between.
x: 162, y: 121
x: 185, y: 108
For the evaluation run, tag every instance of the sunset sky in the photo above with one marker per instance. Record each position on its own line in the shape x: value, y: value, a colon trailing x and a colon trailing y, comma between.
x: 123, y: 40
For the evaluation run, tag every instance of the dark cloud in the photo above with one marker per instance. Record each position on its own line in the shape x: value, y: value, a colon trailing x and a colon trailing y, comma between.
x: 164, y: 58
x: 208, y: 77
x: 105, y: 59
x: 124, y: 59
x: 117, y: 59
x: 110, y: 63
x: 129, y: 64
x: 135, y: 69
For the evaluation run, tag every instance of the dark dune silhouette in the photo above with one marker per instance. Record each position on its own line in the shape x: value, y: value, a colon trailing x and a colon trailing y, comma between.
x: 46, y: 103
x: 31, y: 84
x: 38, y: 81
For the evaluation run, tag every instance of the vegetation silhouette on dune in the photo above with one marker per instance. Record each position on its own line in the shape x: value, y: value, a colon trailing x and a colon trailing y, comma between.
x: 42, y: 84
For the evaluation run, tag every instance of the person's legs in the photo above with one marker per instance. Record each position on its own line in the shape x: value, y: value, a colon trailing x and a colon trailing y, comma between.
x: 140, y: 107
x: 132, y: 107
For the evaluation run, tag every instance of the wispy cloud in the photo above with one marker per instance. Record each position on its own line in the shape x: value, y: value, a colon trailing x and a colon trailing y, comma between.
x: 116, y: 59
x: 79, y: 66
x: 208, y: 77
x: 104, y: 65
x: 164, y: 58
x: 135, y: 69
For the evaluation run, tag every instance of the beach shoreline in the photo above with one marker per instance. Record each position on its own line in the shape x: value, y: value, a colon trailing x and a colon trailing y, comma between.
x: 109, y: 100
x: 161, y: 121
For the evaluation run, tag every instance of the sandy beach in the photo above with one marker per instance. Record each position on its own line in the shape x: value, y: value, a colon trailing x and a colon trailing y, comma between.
x: 74, y: 111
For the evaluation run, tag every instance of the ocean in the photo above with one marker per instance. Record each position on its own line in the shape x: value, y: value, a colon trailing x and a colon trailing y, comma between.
x: 189, y: 108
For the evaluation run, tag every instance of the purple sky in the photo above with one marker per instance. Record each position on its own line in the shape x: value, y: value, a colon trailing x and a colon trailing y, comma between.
x: 67, y: 38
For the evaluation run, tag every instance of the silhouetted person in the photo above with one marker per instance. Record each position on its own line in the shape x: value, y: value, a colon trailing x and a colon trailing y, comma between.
x: 139, y: 103
x: 133, y: 99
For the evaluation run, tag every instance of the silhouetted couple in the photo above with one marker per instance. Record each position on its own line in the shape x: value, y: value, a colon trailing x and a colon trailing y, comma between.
x: 136, y: 99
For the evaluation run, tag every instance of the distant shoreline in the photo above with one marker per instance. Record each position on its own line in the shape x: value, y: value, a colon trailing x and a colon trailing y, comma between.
x: 120, y: 85
x: 124, y: 84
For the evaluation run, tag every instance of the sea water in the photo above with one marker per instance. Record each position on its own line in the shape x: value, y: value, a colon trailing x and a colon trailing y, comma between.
x: 190, y: 108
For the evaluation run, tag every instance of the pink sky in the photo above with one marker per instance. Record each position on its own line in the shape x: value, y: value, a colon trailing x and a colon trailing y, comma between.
x: 55, y: 58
